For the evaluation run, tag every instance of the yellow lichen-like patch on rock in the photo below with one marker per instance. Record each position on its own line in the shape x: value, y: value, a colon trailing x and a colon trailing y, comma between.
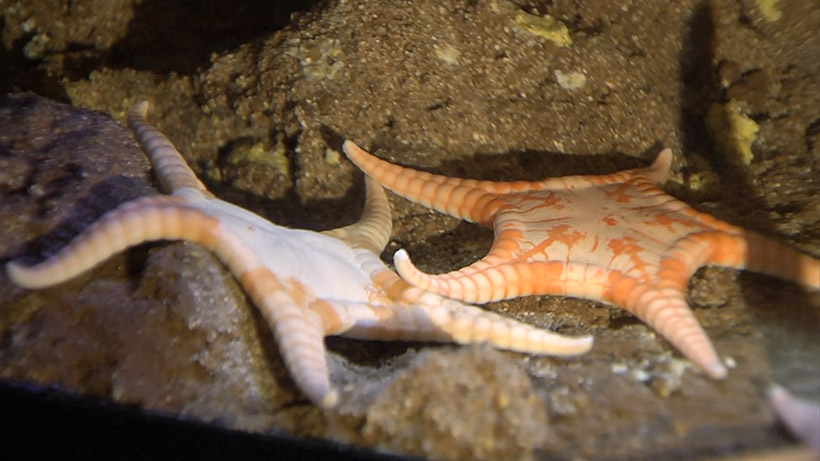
x: 320, y: 58
x: 732, y: 131
x: 250, y: 152
x: 769, y: 10
x: 544, y: 26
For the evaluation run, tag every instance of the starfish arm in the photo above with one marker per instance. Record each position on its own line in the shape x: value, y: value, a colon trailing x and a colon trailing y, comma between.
x: 448, y: 321
x: 658, y: 171
x: 477, y: 200
x: 487, y: 280
x: 761, y: 254
x: 299, y: 323
x: 647, y: 178
x: 662, y: 304
x: 417, y: 314
x: 173, y: 172
x: 141, y: 220
x: 733, y: 247
x: 407, y: 312
x: 372, y: 232
x: 666, y: 311
x: 468, y: 199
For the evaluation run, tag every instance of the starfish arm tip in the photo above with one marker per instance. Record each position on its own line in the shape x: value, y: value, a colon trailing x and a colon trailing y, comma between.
x: 658, y: 171
x: 559, y: 345
x: 586, y: 342
x: 777, y: 393
x: 329, y: 400
x: 351, y: 149
x: 407, y: 270
x: 716, y: 371
x: 141, y: 108
x: 16, y: 273
x: 29, y: 277
x: 572, y: 346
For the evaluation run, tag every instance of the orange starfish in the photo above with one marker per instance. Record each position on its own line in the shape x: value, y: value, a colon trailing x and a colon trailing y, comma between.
x: 616, y: 238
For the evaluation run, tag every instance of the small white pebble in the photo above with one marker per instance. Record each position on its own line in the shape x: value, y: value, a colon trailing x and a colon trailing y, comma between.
x: 641, y: 375
x: 570, y: 80
x: 619, y: 368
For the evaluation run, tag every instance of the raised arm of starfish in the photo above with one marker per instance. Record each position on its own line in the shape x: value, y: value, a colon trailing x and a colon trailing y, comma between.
x: 614, y: 238
x: 306, y: 284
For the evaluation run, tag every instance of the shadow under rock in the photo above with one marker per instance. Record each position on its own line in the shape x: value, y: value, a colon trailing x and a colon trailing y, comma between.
x: 700, y: 89
x: 290, y: 211
x: 18, y: 73
x: 102, y: 198
x: 38, y: 418
x: 180, y: 35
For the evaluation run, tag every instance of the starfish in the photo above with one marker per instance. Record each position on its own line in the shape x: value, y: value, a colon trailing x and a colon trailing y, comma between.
x: 617, y: 238
x: 306, y: 284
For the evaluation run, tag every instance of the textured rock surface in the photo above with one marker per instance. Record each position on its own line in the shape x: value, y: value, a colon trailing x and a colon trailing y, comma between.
x: 414, y: 413
x: 455, y: 87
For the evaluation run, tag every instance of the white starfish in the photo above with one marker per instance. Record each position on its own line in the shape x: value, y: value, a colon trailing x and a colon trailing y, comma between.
x: 306, y: 284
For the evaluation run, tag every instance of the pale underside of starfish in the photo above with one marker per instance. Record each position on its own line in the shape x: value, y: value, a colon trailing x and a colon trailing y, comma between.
x: 306, y: 284
x: 801, y: 417
x: 617, y: 238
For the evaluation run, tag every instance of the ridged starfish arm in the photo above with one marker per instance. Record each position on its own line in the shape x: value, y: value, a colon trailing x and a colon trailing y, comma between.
x: 466, y: 199
x: 657, y: 172
x: 298, y: 335
x: 299, y: 322
x: 142, y: 220
x: 410, y: 313
x: 495, y: 280
x: 448, y: 321
x: 171, y: 170
x: 661, y: 301
x: 764, y: 255
x: 372, y: 231
x: 722, y: 244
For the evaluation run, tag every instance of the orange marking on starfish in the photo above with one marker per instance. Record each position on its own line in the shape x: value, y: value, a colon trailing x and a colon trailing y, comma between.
x: 260, y: 282
x: 628, y: 246
x: 547, y: 277
x: 668, y: 221
x: 545, y: 199
x: 639, y: 256
x: 618, y: 288
x: 329, y: 317
x: 671, y: 273
x: 559, y: 234
x: 621, y: 194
